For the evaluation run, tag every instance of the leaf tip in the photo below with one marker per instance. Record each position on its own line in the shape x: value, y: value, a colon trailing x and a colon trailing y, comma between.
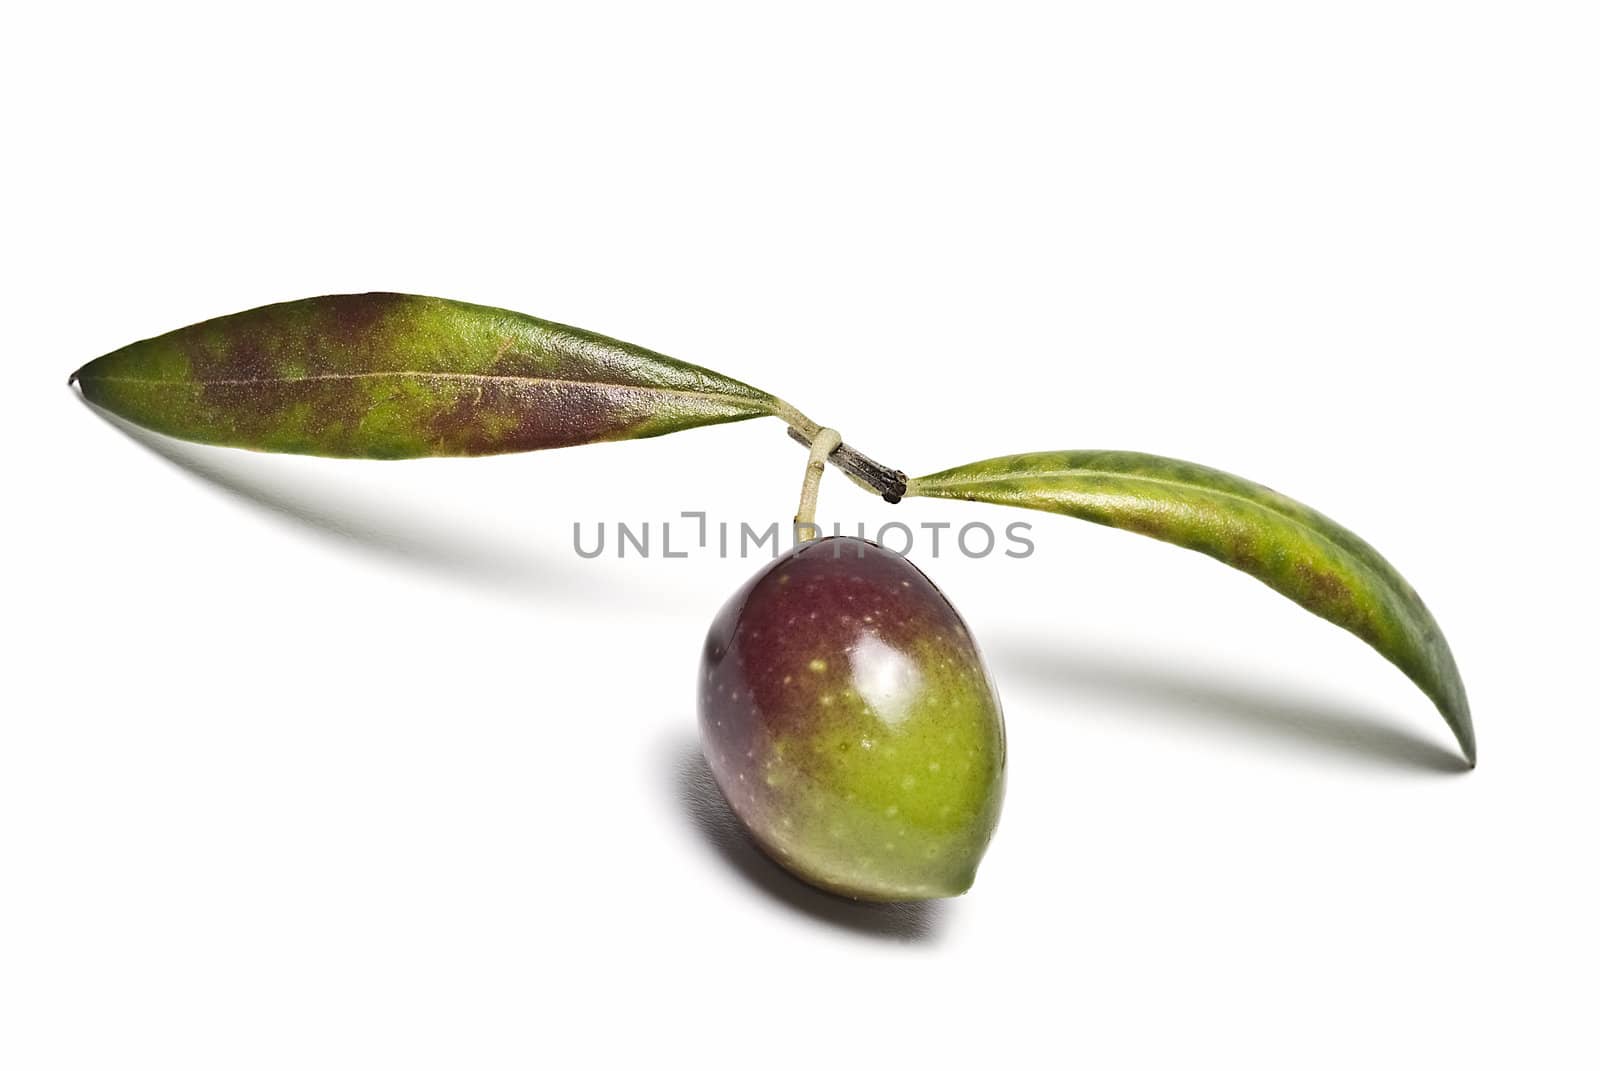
x: 1465, y: 736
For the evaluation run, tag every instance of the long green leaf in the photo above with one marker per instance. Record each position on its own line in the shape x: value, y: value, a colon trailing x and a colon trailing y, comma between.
x: 397, y: 375
x: 1288, y: 546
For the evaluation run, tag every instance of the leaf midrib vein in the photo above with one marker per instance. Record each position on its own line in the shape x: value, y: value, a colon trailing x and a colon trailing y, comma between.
x: 467, y: 377
x: 1168, y: 483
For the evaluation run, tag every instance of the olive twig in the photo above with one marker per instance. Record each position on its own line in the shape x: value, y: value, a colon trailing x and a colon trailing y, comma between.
x: 865, y: 473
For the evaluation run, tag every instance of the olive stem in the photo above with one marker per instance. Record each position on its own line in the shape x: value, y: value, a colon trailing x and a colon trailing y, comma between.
x: 805, y: 518
x: 797, y: 421
x: 865, y: 473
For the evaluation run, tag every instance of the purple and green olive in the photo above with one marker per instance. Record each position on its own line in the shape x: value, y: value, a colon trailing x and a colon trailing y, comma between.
x: 849, y: 719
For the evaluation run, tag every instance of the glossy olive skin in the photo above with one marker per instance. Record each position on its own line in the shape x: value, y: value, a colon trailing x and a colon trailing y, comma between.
x: 849, y: 719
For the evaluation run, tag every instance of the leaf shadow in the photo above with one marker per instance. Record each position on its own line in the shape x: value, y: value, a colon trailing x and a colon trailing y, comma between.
x: 1278, y: 720
x: 404, y: 536
x: 702, y: 802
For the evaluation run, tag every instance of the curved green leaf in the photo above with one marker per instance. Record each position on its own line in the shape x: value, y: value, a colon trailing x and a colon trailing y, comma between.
x: 1288, y: 546
x: 397, y: 375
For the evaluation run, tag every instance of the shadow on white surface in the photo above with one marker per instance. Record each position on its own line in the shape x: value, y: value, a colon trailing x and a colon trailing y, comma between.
x: 402, y: 535
x: 701, y: 801
x: 1273, y: 719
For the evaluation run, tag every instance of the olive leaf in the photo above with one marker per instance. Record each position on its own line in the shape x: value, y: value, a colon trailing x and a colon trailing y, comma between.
x: 1288, y: 546
x: 398, y: 376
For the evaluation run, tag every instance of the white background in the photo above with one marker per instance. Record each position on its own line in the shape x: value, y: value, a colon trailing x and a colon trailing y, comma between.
x: 311, y: 763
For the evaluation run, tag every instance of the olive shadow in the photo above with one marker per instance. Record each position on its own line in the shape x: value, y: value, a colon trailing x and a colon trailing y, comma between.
x: 1278, y: 720
x: 407, y: 537
x: 703, y: 804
